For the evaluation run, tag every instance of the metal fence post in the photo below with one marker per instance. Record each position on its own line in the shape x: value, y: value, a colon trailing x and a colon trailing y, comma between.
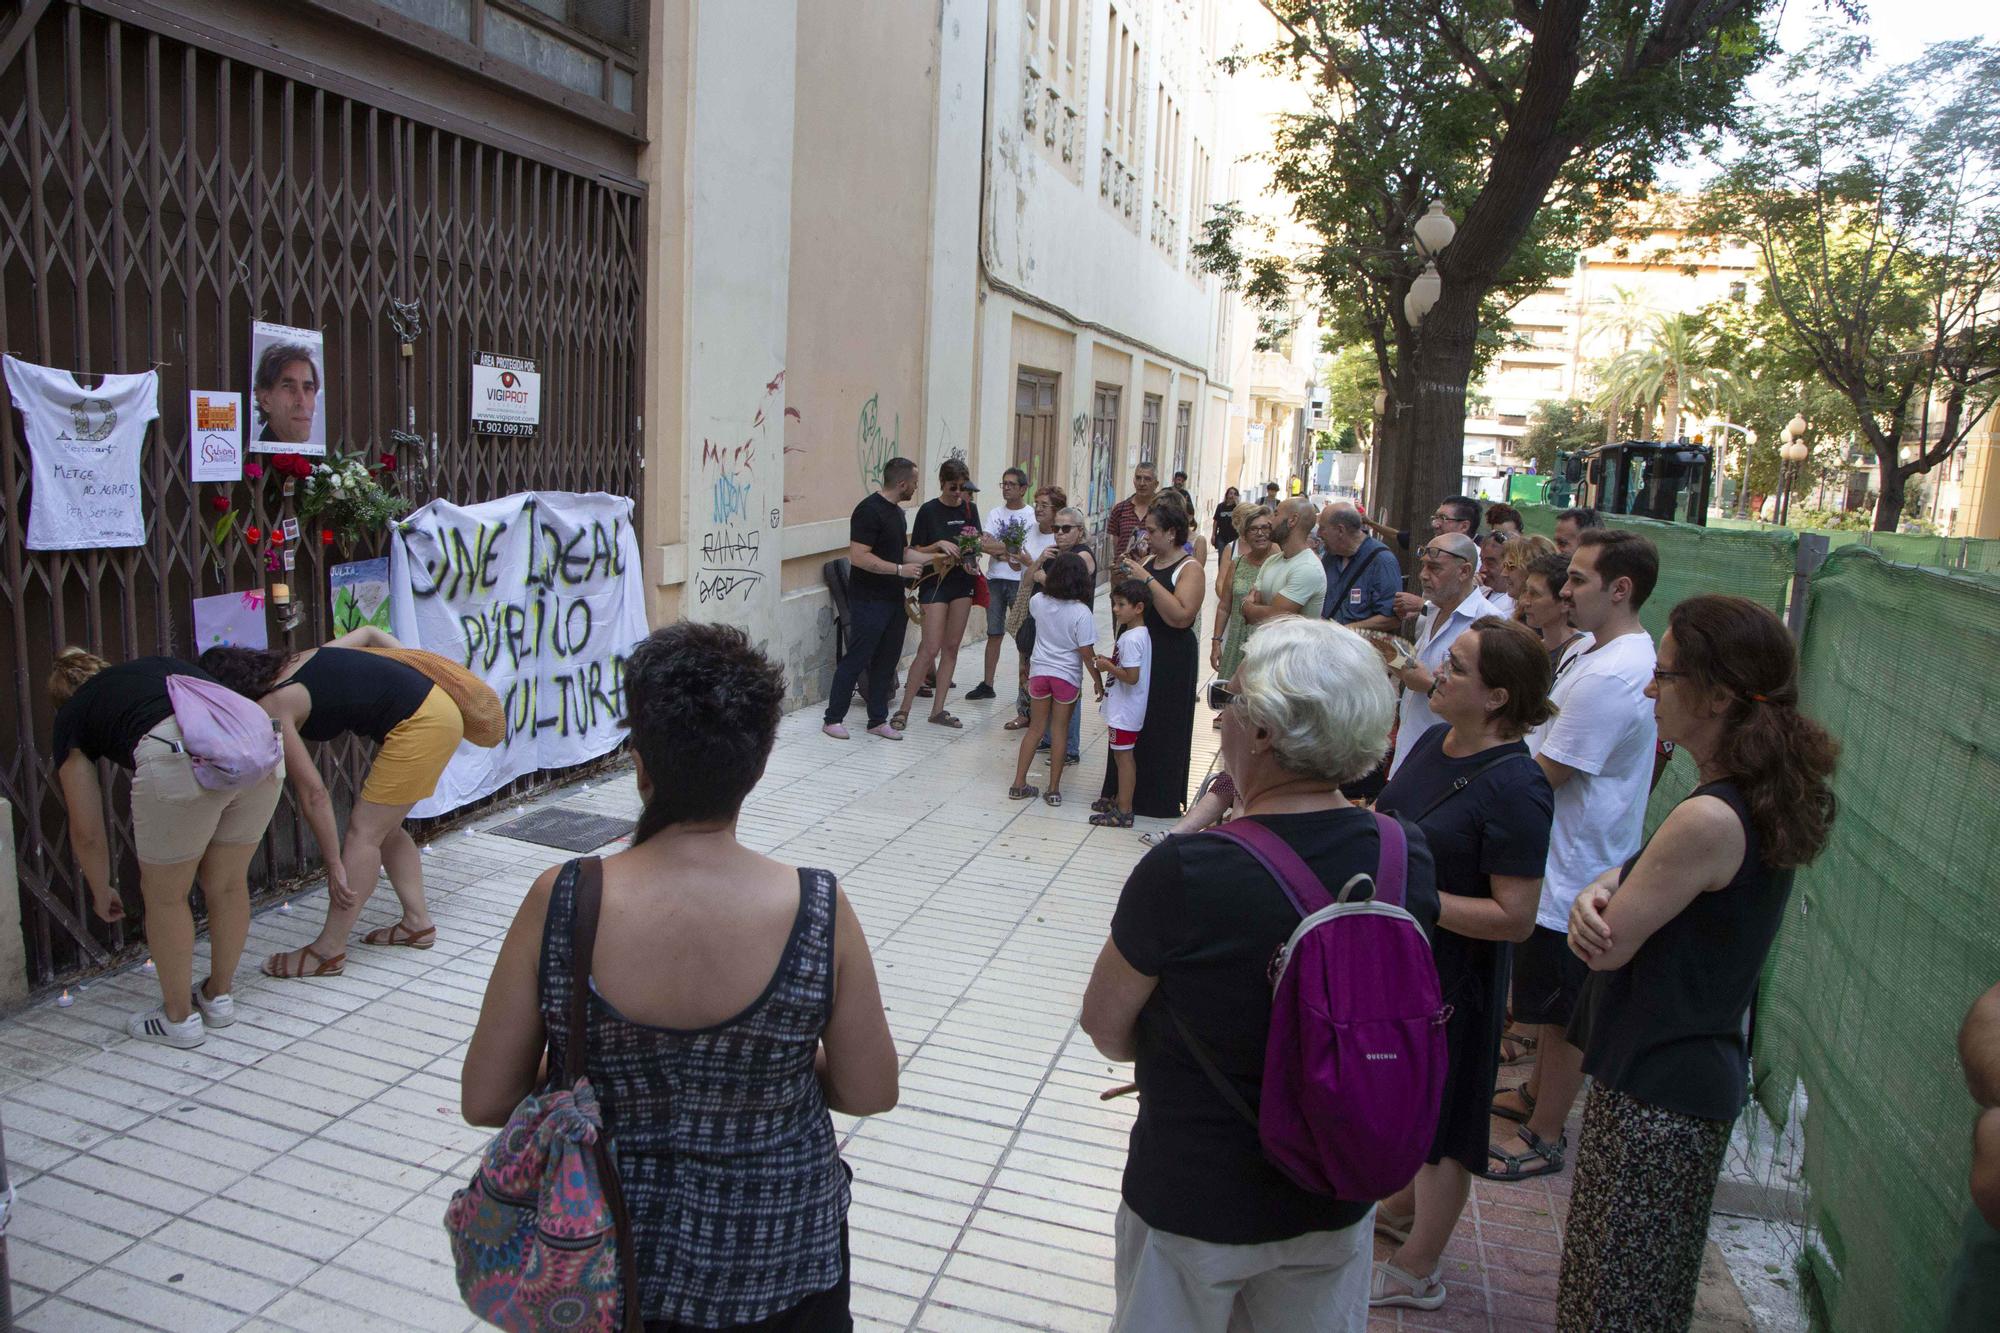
x: 1811, y: 554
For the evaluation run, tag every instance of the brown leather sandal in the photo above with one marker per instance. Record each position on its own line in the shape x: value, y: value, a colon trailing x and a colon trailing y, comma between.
x: 291, y: 966
x: 398, y: 936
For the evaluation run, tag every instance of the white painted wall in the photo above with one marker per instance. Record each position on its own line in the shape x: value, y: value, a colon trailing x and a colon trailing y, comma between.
x: 739, y: 199
x: 1059, y: 239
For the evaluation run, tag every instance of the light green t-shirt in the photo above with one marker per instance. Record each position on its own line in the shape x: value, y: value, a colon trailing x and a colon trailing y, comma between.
x: 1298, y: 578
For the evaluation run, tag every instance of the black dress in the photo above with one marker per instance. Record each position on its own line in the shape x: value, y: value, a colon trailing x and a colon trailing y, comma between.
x: 1166, y: 740
x: 1498, y: 824
x: 937, y: 521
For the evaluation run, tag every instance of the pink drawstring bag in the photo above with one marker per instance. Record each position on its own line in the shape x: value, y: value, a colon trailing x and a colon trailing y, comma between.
x: 230, y: 741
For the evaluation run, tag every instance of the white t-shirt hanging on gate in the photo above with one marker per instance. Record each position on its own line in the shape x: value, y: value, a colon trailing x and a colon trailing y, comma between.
x: 84, y: 445
x: 1604, y: 729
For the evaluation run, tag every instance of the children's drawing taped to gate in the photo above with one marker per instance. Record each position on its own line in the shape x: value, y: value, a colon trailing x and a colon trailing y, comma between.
x: 538, y: 594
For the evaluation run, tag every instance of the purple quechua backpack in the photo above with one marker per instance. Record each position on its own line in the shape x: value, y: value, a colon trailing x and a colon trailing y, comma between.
x: 1354, y: 1066
x: 230, y: 742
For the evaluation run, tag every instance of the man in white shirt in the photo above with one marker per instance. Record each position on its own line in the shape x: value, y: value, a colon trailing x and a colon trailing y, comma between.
x: 1598, y: 755
x: 1448, y: 572
x: 1003, y: 574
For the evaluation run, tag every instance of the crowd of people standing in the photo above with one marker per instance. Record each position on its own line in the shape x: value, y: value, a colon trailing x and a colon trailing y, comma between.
x: 1512, y: 711
x: 1474, y: 757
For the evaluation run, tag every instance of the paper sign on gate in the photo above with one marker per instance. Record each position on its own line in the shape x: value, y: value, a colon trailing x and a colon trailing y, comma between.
x: 215, y: 434
x: 506, y: 395
x: 230, y: 620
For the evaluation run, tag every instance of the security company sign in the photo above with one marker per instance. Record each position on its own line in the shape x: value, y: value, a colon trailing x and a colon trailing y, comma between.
x: 506, y: 395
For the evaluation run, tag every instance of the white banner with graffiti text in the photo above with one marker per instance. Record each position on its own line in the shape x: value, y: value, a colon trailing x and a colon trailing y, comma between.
x: 539, y: 595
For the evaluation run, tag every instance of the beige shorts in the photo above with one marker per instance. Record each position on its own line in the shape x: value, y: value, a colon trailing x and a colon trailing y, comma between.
x: 175, y: 818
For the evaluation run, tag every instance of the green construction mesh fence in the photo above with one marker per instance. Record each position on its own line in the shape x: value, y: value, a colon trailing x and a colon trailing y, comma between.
x: 1892, y: 932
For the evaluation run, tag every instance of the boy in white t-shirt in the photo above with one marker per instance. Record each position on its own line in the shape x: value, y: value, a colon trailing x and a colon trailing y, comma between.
x: 1130, y: 668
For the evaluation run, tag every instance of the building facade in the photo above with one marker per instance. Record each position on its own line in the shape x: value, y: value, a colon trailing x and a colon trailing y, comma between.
x: 1564, y: 331
x: 961, y: 229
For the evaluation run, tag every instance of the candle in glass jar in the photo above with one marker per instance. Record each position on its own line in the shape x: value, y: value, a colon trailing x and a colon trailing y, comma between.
x: 281, y: 594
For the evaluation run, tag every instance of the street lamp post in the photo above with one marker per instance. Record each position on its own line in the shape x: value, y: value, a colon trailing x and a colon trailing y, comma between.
x: 1793, y: 452
x: 1716, y: 425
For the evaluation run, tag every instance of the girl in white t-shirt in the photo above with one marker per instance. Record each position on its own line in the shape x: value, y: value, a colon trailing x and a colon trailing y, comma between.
x: 1130, y: 667
x: 1065, y: 645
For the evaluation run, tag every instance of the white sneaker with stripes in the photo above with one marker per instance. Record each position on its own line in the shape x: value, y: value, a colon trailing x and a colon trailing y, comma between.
x: 154, y: 1025
x: 219, y: 1012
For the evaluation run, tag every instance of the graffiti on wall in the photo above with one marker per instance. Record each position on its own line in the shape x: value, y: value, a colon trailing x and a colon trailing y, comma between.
x: 1103, y: 492
x: 873, y: 448
x: 1079, y: 458
x: 731, y: 542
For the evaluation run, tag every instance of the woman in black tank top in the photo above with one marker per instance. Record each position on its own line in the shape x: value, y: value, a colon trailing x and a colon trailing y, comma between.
x: 320, y: 695
x: 1676, y: 940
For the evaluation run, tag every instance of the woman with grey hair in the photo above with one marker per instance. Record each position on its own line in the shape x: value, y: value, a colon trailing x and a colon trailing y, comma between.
x: 1209, y: 1230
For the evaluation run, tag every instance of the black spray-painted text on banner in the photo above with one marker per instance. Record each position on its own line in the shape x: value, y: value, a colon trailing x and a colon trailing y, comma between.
x: 539, y: 596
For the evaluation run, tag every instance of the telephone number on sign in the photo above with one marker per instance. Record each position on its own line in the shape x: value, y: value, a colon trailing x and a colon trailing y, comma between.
x: 503, y: 428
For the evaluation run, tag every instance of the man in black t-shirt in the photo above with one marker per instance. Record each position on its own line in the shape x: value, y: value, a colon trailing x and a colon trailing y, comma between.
x: 880, y: 558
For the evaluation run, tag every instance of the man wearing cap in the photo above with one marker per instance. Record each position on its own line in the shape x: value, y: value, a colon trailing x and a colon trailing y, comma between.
x: 1448, y: 572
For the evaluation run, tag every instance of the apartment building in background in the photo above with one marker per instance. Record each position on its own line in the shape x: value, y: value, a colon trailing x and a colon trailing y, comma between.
x: 1564, y: 331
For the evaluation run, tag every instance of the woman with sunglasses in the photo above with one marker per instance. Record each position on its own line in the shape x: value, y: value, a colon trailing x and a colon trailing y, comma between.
x: 1233, y: 586
x: 1675, y: 940
x: 947, y: 597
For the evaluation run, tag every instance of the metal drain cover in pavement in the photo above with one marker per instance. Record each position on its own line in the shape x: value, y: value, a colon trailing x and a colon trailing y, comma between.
x: 571, y: 830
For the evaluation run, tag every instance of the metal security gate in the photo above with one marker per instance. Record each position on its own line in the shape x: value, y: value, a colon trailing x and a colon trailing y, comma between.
x: 156, y: 197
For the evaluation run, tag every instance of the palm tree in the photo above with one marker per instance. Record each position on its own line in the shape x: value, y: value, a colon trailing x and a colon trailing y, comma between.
x: 1671, y: 367
x: 1628, y: 313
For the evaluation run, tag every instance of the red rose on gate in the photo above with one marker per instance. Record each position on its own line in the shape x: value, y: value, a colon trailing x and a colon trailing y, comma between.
x: 219, y: 503
x: 388, y: 462
x: 254, y: 471
x: 253, y: 535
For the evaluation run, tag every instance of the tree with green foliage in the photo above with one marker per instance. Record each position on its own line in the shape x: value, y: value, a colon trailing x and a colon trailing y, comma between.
x: 1769, y: 382
x: 1669, y: 369
x: 1535, y: 122
x: 1876, y: 211
x: 1351, y: 385
x: 1559, y: 426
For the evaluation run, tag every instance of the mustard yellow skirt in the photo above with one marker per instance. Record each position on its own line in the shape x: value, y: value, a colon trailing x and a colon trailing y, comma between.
x: 413, y: 755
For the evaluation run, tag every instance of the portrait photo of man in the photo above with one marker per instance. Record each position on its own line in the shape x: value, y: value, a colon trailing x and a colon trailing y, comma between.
x: 285, y: 387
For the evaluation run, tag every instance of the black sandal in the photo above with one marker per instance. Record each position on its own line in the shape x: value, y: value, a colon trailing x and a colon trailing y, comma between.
x: 1509, y: 1113
x: 1103, y: 804
x: 1023, y: 793
x: 1519, y: 1166
x: 1113, y: 818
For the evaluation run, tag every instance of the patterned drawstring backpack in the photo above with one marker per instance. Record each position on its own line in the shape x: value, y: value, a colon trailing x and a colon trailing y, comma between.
x: 540, y: 1237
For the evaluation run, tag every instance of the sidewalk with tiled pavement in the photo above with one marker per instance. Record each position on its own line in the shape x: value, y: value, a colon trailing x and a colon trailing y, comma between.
x: 291, y: 1173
